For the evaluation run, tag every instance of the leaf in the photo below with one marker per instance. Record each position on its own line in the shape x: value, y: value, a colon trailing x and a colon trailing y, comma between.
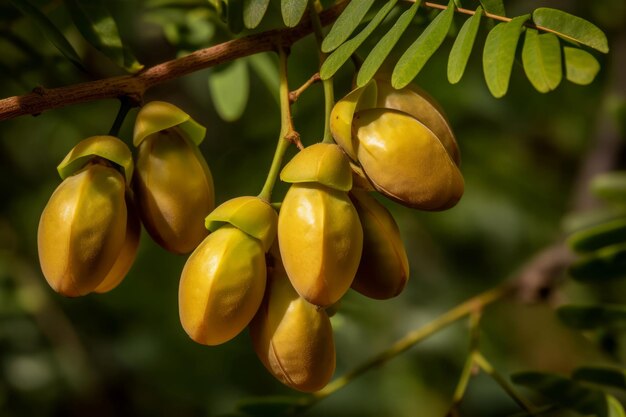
x: 606, y: 264
x: 234, y: 15
x: 499, y: 54
x: 493, y: 7
x: 541, y: 57
x: 382, y: 49
x: 610, y: 186
x: 566, y: 392
x: 591, y: 317
x: 462, y: 48
x: 95, y: 23
x: 572, y: 28
x: 414, y: 59
x: 265, y: 68
x: 49, y: 30
x: 343, y: 53
x: 229, y: 90
x: 292, y: 11
x: 253, y: 12
x: 599, y: 236
x: 602, y: 375
x: 345, y: 24
x: 615, y: 407
x: 580, y: 66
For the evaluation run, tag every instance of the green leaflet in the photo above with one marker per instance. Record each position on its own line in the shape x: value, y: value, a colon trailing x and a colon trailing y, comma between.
x: 462, y: 48
x: 599, y: 236
x: 499, y: 54
x: 572, y: 28
x: 253, y: 12
x: 292, y: 11
x: 265, y: 68
x: 95, y: 23
x: 602, y: 375
x: 615, y: 407
x: 493, y: 6
x: 414, y: 58
x: 541, y: 57
x: 229, y: 90
x: 610, y: 186
x: 382, y: 49
x: 49, y: 30
x: 588, y: 317
x: 345, y: 24
x: 580, y: 66
x: 343, y: 53
x: 605, y: 264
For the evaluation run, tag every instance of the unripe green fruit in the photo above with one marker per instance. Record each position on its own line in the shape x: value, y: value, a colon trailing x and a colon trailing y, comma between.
x: 82, y: 230
x: 293, y: 338
x: 221, y: 286
x: 384, y: 267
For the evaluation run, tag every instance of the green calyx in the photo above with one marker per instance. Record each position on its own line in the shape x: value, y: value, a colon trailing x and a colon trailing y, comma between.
x: 322, y: 163
x: 158, y: 115
x: 109, y: 148
x: 251, y: 215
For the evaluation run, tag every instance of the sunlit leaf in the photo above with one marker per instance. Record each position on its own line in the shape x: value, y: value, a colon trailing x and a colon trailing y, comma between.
x: 253, y: 12
x: 384, y: 46
x: 610, y: 186
x: 230, y: 89
x: 49, y: 30
x: 292, y: 11
x: 602, y: 375
x: 590, y: 317
x: 343, y: 53
x: 499, y: 54
x: 580, y: 66
x: 462, y: 48
x: 541, y: 57
x: 416, y: 56
x: 265, y: 68
x: 604, y: 264
x: 567, y: 393
x: 599, y: 236
x: 572, y: 28
x: 345, y: 24
x: 96, y: 24
x: 493, y: 7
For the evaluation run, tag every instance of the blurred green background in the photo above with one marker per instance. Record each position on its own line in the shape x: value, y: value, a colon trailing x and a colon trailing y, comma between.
x: 125, y: 353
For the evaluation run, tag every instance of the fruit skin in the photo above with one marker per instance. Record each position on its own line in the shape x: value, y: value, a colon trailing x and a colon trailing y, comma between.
x: 82, y: 230
x: 292, y: 338
x: 320, y: 239
x: 174, y: 190
x: 221, y: 286
x: 384, y: 267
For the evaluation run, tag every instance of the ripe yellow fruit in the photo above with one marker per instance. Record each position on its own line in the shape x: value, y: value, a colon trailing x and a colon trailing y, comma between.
x: 293, y: 338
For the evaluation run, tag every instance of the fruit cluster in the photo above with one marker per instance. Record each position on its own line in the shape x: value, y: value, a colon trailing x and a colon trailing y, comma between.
x: 272, y: 272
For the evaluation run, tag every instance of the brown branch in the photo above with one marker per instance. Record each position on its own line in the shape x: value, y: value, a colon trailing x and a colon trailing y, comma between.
x: 295, y: 94
x: 134, y: 86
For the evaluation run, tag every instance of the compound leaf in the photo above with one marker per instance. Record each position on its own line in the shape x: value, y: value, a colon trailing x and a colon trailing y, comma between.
x: 462, y: 48
x: 292, y: 11
x: 580, y: 66
x: 345, y: 24
x: 572, y: 28
x: 541, y: 57
x: 253, y: 12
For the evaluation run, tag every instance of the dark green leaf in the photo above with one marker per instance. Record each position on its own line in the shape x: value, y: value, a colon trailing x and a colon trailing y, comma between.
x: 493, y: 7
x: 253, y: 12
x: 462, y: 48
x: 414, y: 59
x: 345, y: 24
x: 292, y: 11
x: 265, y: 68
x: 273, y: 406
x: 602, y: 375
x: 50, y: 31
x: 572, y: 28
x: 382, y: 49
x: 95, y: 23
x: 565, y: 392
x: 610, y: 186
x: 499, y: 54
x: 541, y: 57
x: 229, y: 90
x: 234, y: 14
x: 343, y: 53
x: 580, y: 66
x: 599, y: 236
x: 605, y: 264
x: 592, y: 316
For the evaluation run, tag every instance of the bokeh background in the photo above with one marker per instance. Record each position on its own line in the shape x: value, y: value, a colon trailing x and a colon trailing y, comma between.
x: 125, y: 352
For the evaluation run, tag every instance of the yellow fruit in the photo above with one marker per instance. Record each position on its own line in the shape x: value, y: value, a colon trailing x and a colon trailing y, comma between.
x: 221, y: 286
x: 384, y: 267
x: 82, y: 230
x: 293, y: 338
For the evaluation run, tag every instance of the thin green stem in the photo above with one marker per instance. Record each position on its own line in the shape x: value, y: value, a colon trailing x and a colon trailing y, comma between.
x: 287, y: 133
x: 502, y: 381
x: 329, y: 93
x: 466, y: 374
x: 125, y: 105
x: 411, y: 339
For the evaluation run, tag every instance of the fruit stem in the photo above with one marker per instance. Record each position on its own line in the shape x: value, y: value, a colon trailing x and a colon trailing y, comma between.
x: 329, y: 95
x: 287, y: 133
x: 125, y: 105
